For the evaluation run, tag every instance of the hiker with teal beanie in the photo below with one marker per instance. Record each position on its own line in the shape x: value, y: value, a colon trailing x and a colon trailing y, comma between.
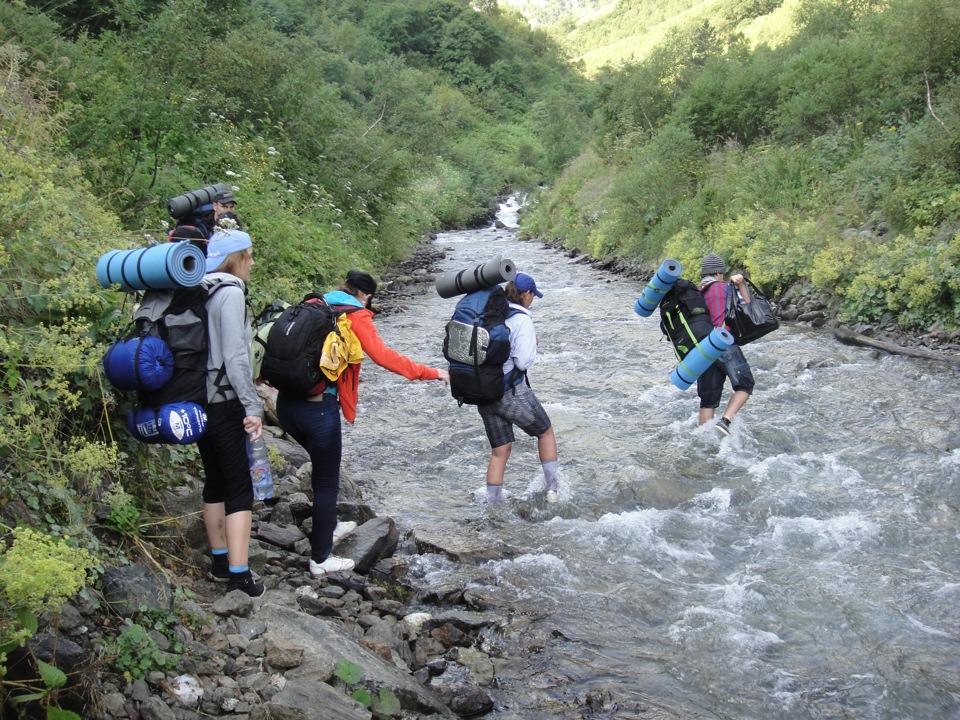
x: 731, y: 364
x: 519, y: 405
x: 234, y: 410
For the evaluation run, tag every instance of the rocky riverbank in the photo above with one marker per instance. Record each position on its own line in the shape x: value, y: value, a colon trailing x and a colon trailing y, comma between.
x: 163, y: 641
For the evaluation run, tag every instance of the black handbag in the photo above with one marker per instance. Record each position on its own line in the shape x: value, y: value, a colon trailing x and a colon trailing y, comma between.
x: 752, y: 320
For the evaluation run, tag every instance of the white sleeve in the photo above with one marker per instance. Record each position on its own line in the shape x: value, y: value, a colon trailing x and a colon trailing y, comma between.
x: 523, y: 341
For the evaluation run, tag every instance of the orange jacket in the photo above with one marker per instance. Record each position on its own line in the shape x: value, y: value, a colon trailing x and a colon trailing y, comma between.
x: 375, y: 349
x: 348, y: 387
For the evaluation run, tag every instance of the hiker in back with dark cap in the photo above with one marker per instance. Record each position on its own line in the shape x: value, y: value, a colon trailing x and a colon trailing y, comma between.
x: 314, y: 421
x: 203, y: 222
x: 731, y: 364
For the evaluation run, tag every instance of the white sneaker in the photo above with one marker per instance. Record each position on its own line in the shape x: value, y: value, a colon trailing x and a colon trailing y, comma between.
x: 332, y: 564
x: 553, y: 496
x: 342, y: 530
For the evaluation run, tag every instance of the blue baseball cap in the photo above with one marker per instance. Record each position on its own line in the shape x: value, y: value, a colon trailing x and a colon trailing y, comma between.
x: 524, y: 283
x: 223, y: 243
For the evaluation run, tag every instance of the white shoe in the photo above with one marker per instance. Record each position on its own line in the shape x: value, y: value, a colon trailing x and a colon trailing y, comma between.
x: 332, y: 564
x: 553, y: 496
x: 342, y: 530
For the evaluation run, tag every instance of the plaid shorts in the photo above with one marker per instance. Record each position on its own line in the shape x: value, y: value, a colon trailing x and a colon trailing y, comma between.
x: 519, y: 407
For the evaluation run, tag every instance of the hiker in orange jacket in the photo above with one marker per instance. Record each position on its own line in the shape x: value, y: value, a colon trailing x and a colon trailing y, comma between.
x: 314, y: 421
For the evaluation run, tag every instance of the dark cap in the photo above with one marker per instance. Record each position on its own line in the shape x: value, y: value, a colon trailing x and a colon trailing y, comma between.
x: 524, y: 283
x: 712, y: 264
x: 362, y: 282
x: 224, y: 196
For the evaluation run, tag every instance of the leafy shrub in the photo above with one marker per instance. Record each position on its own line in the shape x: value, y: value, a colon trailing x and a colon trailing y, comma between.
x: 38, y: 573
x: 136, y: 654
x: 383, y: 703
x: 124, y: 515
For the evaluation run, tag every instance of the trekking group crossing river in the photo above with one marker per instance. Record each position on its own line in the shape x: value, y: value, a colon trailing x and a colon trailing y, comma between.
x: 806, y: 566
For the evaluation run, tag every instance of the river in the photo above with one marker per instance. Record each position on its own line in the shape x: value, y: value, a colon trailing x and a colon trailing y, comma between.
x: 807, y: 566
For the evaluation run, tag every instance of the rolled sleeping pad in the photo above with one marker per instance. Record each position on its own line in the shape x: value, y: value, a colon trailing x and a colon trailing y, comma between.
x: 138, y: 363
x: 176, y: 423
x: 182, y: 204
x: 696, y: 362
x: 658, y: 286
x: 491, y: 273
x: 165, y: 266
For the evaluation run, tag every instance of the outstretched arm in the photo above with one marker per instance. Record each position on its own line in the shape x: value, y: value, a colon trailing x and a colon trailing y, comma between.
x: 377, y: 350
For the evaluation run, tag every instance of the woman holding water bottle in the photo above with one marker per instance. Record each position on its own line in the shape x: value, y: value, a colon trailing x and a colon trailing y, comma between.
x: 234, y: 412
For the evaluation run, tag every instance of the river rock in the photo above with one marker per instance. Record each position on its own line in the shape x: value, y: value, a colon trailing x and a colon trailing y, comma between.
x: 128, y: 588
x: 370, y: 542
x: 326, y: 643
x: 284, y: 537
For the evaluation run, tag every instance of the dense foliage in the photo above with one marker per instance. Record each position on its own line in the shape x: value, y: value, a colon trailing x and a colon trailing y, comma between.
x: 347, y: 129
x: 831, y: 158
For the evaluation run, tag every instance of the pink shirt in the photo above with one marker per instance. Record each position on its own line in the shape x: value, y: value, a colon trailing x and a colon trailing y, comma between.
x: 715, y: 295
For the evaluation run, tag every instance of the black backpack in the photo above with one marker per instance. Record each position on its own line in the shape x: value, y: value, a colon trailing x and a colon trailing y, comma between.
x: 477, y: 344
x: 684, y: 317
x: 291, y: 360
x: 179, y: 318
x: 201, y: 219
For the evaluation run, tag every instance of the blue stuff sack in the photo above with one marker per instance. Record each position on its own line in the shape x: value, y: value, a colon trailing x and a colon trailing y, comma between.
x: 477, y: 344
x: 175, y: 423
x: 138, y: 363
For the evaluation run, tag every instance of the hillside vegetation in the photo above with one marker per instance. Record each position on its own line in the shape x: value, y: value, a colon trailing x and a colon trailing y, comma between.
x: 829, y: 159
x: 347, y: 129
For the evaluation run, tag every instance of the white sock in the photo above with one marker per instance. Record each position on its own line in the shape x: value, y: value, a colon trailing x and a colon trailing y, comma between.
x: 551, y: 471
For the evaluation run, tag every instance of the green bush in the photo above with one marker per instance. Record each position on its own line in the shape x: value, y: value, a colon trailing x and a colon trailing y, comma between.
x: 38, y: 573
x: 135, y: 653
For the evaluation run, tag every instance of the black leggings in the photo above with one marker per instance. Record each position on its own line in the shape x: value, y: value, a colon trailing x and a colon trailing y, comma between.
x: 223, y: 449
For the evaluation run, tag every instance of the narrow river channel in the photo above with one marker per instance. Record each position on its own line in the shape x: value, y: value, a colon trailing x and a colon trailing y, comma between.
x: 808, y: 566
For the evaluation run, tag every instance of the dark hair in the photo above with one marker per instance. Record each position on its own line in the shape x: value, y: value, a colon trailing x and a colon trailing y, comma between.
x: 513, y: 295
x: 355, y: 292
x: 230, y: 215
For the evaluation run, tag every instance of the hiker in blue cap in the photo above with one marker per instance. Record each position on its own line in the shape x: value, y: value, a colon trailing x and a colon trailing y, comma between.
x: 519, y: 405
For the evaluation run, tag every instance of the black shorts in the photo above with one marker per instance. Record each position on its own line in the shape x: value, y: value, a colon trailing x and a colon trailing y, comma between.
x: 223, y: 449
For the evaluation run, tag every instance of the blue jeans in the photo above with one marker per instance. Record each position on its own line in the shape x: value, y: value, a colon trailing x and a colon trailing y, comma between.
x: 316, y: 426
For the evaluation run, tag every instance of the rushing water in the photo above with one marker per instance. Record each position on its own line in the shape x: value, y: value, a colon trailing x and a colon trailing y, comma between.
x: 804, y: 567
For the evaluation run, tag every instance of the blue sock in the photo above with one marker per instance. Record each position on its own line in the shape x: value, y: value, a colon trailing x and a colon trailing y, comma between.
x: 550, y: 471
x: 239, y: 569
x: 218, y: 551
x: 494, y: 493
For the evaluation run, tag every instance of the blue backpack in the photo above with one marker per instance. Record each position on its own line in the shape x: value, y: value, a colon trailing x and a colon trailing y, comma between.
x: 477, y: 344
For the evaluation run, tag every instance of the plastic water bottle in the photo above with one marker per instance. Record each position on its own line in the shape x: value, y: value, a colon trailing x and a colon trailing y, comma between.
x: 260, y: 473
